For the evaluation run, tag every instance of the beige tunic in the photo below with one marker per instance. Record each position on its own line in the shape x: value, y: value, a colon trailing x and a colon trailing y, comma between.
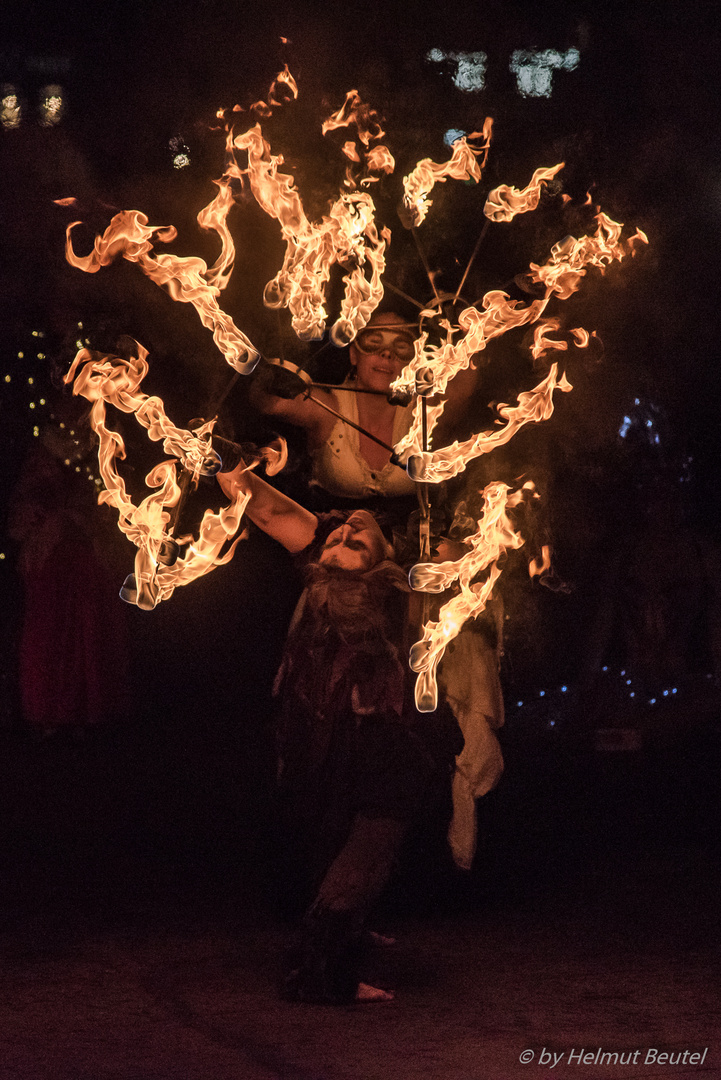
x: 340, y: 468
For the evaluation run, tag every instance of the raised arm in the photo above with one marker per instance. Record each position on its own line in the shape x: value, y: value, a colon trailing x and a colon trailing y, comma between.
x: 297, y: 409
x: 272, y: 511
x: 458, y: 396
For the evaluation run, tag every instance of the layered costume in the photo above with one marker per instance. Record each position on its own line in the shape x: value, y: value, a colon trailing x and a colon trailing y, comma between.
x: 355, y: 760
x: 340, y: 468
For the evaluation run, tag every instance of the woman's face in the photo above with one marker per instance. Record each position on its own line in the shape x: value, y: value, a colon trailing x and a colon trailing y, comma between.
x: 381, y: 351
x: 358, y: 544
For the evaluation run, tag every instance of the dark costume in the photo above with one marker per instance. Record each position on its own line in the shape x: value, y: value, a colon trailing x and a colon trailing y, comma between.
x: 356, y: 759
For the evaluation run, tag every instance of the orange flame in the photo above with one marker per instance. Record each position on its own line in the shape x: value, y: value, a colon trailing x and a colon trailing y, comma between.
x: 283, y: 88
x: 494, y: 536
x: 566, y: 267
x: 109, y: 379
x: 535, y: 569
x: 347, y: 235
x: 186, y: 279
x: 432, y: 367
x: 380, y: 159
x: 355, y: 111
x: 504, y: 202
x: 463, y: 165
x: 542, y: 343
x: 533, y: 406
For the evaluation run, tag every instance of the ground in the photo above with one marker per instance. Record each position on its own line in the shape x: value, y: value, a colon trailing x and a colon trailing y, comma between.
x: 141, y: 940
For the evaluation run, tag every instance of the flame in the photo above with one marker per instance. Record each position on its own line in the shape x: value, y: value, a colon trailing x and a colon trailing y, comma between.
x: 432, y: 367
x: 283, y: 88
x: 463, y: 165
x: 380, y: 159
x: 504, y: 202
x: 105, y: 379
x: 350, y: 151
x: 355, y: 111
x: 535, y: 569
x: 566, y: 267
x: 543, y: 344
x: 186, y: 279
x: 495, y: 535
x: 347, y: 235
x: 532, y: 406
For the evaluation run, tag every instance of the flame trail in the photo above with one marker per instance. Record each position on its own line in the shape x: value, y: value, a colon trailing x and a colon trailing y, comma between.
x: 347, y: 235
x: 504, y: 202
x: 432, y: 367
x: 186, y: 279
x: 463, y: 165
x: 494, y: 536
x: 102, y: 379
x: 349, y: 238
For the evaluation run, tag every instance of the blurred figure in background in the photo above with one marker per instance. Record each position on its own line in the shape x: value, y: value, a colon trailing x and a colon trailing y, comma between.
x: 73, y: 651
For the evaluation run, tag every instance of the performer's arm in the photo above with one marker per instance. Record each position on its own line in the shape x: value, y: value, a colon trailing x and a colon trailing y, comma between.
x: 280, y: 517
x: 297, y: 410
x: 458, y: 395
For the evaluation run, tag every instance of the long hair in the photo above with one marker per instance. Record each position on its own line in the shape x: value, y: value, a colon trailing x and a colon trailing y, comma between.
x: 342, y: 649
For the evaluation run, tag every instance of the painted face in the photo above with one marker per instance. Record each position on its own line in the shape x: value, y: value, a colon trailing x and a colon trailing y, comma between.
x: 358, y: 544
x: 381, y: 351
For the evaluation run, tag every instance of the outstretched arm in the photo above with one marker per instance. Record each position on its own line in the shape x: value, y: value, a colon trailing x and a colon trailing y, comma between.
x: 280, y: 517
x: 297, y: 409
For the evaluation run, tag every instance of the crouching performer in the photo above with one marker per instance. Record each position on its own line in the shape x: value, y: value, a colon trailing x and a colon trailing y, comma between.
x: 356, y: 758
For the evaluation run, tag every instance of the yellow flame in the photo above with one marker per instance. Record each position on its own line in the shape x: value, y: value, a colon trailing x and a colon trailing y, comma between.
x: 504, y: 202
x: 463, y: 165
x: 105, y: 379
x: 495, y: 534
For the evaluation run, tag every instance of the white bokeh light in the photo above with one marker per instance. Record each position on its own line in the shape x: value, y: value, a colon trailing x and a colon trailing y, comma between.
x: 534, y: 69
x: 470, y: 73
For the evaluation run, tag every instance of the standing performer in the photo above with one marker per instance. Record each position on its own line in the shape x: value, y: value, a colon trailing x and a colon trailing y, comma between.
x: 355, y: 756
x: 346, y: 463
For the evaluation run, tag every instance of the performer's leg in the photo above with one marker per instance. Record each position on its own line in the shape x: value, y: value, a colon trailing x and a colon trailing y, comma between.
x: 326, y: 967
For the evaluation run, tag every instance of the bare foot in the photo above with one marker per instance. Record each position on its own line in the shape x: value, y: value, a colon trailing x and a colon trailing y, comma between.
x: 381, y: 939
x: 372, y: 993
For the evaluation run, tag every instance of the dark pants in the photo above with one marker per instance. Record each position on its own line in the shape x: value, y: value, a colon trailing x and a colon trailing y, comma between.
x: 325, y: 965
x: 347, y: 821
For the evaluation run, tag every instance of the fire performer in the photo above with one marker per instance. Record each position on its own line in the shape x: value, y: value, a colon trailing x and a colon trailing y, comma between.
x: 349, y: 464
x: 355, y: 756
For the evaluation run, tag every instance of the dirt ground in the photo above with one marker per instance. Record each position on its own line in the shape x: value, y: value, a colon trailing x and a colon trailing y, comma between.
x: 140, y: 940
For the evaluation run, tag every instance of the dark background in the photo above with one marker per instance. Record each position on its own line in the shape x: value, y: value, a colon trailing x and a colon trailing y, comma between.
x: 636, y: 123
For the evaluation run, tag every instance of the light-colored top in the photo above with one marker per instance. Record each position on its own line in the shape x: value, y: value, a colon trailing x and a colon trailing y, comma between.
x: 340, y: 468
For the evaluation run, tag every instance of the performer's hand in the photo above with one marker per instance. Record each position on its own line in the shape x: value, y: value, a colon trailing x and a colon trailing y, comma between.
x: 235, y: 481
x: 279, y: 382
